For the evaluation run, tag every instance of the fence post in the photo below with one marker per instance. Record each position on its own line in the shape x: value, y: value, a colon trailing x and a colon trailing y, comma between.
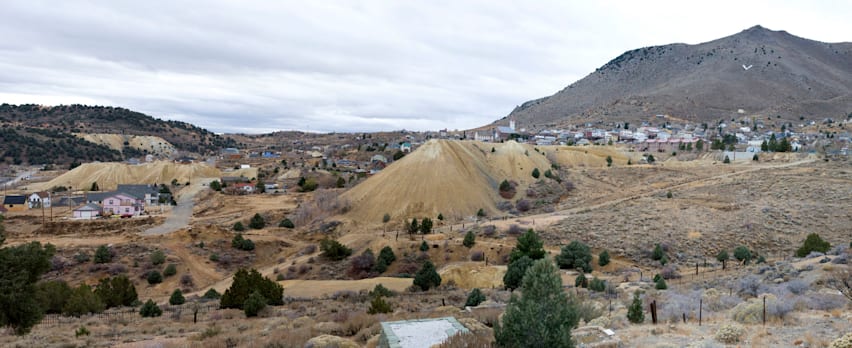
x: 700, y: 309
x: 764, y: 310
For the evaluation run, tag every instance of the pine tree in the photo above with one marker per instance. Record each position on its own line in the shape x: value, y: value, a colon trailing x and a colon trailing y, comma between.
x: 603, y: 258
x: 257, y: 222
x: 515, y: 272
x: 529, y: 244
x: 469, y: 239
x: 536, y: 173
x: 634, y: 313
x: 426, y: 226
x: 413, y: 227
x: 103, y: 255
x: 542, y: 316
x: 575, y: 255
x: 427, y: 277
x: 177, y: 298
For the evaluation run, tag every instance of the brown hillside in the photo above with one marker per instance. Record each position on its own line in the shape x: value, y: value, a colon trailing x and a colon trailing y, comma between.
x: 455, y: 178
x: 787, y: 76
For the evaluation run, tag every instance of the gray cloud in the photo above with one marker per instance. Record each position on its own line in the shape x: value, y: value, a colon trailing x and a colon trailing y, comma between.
x: 346, y: 66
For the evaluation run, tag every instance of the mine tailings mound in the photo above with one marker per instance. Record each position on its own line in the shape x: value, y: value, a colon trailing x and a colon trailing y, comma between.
x: 109, y: 175
x: 454, y: 178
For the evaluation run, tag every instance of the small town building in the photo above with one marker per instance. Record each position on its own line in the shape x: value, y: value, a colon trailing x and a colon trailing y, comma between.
x: 39, y: 200
x: 15, y: 203
x: 88, y: 211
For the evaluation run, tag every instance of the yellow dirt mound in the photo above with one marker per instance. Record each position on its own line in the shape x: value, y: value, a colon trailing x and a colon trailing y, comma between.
x: 473, y: 275
x: 587, y: 156
x: 109, y: 175
x: 154, y: 145
x: 455, y: 178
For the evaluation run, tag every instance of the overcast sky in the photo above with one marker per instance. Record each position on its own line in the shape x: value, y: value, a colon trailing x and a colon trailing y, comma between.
x: 260, y: 66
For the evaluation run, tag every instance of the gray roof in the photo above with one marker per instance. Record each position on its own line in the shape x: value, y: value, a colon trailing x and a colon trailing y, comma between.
x: 506, y: 130
x: 69, y: 201
x: 138, y: 190
x: 100, y: 196
x: 89, y: 207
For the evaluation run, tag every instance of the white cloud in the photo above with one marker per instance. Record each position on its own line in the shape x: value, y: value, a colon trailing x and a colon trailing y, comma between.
x: 348, y: 66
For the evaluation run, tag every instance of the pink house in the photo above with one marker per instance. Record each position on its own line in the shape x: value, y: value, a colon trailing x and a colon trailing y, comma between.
x: 123, y: 205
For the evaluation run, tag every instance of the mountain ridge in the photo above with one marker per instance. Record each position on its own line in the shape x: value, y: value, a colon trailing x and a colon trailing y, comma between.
x: 761, y: 71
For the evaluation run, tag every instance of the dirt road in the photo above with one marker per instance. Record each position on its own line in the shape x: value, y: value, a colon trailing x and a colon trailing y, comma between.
x: 180, y: 215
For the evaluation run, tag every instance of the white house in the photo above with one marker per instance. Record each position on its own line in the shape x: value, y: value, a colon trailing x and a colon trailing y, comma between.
x: 39, y: 199
x: 88, y: 211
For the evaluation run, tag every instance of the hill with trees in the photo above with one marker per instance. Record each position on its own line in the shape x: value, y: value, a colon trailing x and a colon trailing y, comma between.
x: 36, y: 134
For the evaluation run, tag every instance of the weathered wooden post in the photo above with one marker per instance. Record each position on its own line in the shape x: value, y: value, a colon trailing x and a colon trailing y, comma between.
x: 700, y: 310
x: 764, y: 310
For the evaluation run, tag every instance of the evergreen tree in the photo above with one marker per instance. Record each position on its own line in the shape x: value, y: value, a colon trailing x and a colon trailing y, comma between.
x: 413, y: 227
x: 742, y: 254
x: 764, y: 146
x: 723, y: 257
x: 597, y: 284
x: 103, y: 255
x: 469, y: 239
x: 542, y: 316
x: 773, y: 143
x: 248, y: 281
x: 536, y: 173
x: 117, y: 291
x: 515, y: 272
x: 530, y: 245
x: 341, y: 182
x: 603, y: 258
x: 426, y: 226
x: 813, y: 242
x: 634, y: 313
x: 150, y: 310
x: 52, y: 295
x: 427, y: 277
x: 575, y: 255
x: 334, y: 250
x: 424, y: 246
x: 386, y: 255
x: 257, y: 222
x: 609, y: 161
x: 661, y: 284
x: 95, y: 187
x: 581, y: 281
x: 21, y: 267
x: 658, y: 252
x: 286, y: 223
x: 83, y: 301
x: 474, y: 298
x: 177, y: 298
x: 239, y: 227
x: 254, y: 304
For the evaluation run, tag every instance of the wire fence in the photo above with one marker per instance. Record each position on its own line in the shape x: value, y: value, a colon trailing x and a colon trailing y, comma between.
x: 131, y: 315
